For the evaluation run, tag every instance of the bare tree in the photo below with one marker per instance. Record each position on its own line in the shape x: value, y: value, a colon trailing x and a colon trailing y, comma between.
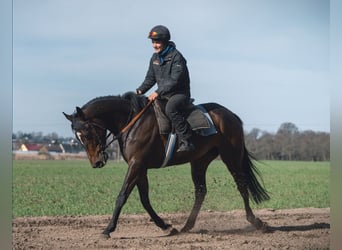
x: 289, y: 144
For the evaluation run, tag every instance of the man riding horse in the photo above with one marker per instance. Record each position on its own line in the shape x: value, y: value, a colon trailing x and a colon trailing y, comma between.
x: 169, y: 70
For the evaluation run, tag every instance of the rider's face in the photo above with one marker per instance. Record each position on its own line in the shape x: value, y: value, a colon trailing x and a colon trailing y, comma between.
x: 157, y: 45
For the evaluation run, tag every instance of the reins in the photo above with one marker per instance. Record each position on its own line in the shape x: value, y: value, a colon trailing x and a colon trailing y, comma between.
x: 128, y: 126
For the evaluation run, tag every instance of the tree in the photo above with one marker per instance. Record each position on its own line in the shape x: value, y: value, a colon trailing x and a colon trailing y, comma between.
x: 287, y: 128
x: 285, y: 136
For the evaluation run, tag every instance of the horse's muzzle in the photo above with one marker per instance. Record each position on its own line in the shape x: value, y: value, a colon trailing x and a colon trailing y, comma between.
x: 102, y: 161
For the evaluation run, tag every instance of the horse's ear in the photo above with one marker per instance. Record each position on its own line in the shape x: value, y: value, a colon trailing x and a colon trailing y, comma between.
x: 69, y: 117
x: 80, y: 113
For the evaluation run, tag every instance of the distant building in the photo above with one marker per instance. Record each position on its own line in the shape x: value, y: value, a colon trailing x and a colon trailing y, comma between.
x: 55, y: 148
x: 48, y: 148
x: 31, y: 147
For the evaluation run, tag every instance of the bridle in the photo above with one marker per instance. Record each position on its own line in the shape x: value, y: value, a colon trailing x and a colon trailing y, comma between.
x: 91, y: 125
x: 129, y: 124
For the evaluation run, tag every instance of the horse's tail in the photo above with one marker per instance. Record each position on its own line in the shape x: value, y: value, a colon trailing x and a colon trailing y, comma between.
x: 256, y: 190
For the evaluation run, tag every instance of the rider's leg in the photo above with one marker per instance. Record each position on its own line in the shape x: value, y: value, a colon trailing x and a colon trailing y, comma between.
x: 174, y: 110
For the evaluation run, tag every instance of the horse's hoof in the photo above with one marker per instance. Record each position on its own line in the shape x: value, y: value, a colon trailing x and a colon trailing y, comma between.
x: 171, y: 231
x: 265, y: 228
x: 185, y: 229
x: 262, y: 226
x: 105, y: 236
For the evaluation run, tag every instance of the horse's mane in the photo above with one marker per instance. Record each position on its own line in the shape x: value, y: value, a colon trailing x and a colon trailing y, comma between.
x: 137, y: 101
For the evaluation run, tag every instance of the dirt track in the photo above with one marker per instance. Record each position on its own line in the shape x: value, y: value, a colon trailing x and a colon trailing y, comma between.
x: 306, y: 228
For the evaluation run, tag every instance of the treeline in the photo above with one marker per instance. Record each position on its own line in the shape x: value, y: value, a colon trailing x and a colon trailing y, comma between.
x: 288, y: 143
x: 39, y: 137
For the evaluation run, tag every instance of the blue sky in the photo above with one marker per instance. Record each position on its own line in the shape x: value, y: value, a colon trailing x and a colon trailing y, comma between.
x: 266, y: 60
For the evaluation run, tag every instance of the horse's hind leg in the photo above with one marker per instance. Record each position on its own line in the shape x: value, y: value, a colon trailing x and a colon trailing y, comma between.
x: 240, y: 181
x: 235, y: 166
x: 198, y: 170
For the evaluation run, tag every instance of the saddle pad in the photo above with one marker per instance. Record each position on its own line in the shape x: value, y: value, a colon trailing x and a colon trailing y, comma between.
x: 210, y: 130
x: 197, y: 120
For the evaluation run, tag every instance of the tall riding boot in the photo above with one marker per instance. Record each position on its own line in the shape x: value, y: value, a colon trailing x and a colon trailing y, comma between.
x: 184, y: 133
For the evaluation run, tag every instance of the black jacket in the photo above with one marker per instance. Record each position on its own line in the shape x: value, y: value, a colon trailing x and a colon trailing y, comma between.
x: 171, y: 74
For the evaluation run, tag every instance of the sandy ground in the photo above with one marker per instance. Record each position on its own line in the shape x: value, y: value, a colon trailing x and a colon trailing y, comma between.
x: 304, y: 228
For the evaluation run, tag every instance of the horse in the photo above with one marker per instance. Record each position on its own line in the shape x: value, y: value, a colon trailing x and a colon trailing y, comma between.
x: 131, y: 120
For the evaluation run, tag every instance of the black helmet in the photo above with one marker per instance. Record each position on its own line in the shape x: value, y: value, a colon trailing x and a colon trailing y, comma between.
x: 159, y: 32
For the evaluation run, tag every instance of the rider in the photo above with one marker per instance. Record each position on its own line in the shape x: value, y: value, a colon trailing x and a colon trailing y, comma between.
x: 168, y: 69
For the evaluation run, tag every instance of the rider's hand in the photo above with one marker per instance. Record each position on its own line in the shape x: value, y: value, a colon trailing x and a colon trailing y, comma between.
x: 153, y: 96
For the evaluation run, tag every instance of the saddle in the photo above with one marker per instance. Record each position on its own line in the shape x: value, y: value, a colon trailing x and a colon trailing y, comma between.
x: 196, y: 115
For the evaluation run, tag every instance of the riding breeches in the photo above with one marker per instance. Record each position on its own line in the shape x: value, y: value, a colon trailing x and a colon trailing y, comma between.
x: 174, y: 110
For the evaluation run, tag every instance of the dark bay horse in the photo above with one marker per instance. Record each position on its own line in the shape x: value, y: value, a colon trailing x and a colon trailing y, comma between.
x: 143, y: 147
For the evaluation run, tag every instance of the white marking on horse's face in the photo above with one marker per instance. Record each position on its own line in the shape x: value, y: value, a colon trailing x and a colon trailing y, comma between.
x: 78, y: 134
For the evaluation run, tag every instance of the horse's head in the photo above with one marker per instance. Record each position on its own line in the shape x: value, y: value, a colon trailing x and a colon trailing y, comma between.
x: 92, y: 136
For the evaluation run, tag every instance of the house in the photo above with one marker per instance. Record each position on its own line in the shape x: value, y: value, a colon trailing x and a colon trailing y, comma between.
x: 30, y: 147
x: 55, y: 148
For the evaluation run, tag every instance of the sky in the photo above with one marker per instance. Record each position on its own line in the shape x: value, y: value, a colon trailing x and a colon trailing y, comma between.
x: 266, y: 60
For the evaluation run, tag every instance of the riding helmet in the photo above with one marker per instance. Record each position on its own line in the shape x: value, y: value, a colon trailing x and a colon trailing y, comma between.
x: 159, y: 32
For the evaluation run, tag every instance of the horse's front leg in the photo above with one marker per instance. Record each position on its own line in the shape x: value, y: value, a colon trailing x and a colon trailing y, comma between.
x: 127, y: 187
x: 143, y: 189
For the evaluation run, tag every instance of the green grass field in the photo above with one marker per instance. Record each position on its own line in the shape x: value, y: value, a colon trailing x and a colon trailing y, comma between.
x: 42, y: 188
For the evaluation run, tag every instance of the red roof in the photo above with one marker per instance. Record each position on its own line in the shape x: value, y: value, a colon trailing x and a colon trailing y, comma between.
x: 33, y: 147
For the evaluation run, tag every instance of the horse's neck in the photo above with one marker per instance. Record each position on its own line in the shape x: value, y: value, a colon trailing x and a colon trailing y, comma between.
x: 114, y: 115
